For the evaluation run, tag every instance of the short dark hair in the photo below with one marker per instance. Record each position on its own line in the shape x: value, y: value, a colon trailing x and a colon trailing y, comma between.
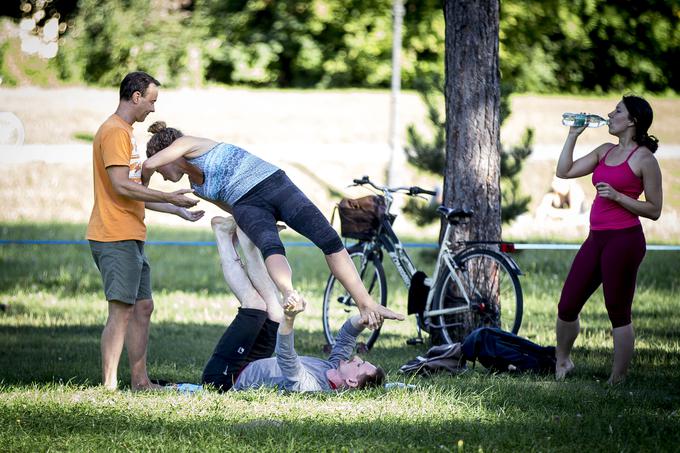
x: 372, y: 380
x: 136, y: 81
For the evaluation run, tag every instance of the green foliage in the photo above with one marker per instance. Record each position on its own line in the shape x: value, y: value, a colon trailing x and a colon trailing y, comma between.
x: 513, y: 202
x: 111, y: 38
x: 84, y: 136
x: 551, y: 46
x: 590, y: 45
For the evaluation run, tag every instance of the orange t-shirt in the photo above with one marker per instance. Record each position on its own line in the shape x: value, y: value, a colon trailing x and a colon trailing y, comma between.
x: 114, y: 217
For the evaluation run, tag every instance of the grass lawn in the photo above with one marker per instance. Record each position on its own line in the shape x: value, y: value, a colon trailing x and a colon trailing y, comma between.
x: 49, y: 366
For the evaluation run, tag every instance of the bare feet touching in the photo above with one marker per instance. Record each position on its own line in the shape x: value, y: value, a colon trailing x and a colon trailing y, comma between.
x: 562, y: 368
x: 292, y: 300
x: 293, y: 303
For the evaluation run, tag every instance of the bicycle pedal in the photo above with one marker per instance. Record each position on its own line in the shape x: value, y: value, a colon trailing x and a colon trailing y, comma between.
x: 414, y: 341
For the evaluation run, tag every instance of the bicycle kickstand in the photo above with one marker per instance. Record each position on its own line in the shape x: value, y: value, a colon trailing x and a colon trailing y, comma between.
x: 416, y: 340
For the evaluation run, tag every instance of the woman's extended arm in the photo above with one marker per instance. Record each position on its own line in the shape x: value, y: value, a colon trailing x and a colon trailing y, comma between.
x: 182, y: 147
x: 567, y: 167
x: 651, y: 180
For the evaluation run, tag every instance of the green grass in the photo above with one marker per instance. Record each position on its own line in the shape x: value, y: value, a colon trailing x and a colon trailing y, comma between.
x: 49, y: 366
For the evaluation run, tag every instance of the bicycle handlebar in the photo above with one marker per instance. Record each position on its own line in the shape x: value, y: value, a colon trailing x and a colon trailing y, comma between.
x: 411, y: 191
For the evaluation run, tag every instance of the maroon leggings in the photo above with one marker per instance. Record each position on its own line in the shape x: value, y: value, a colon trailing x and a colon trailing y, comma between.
x: 610, y: 257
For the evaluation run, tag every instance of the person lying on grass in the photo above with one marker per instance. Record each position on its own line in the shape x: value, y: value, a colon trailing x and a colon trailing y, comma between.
x: 242, y: 358
x: 258, y: 194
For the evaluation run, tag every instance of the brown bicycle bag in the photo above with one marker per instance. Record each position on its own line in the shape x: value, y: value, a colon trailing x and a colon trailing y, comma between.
x: 360, y: 217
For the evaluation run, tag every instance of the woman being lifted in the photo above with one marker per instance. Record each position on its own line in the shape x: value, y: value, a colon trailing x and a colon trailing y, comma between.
x: 258, y: 194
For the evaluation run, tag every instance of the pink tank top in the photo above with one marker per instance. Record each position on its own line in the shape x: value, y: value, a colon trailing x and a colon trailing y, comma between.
x: 607, y: 214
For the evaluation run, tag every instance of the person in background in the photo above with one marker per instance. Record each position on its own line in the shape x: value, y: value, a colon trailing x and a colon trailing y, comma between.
x: 116, y: 230
x: 258, y: 194
x: 565, y: 201
x: 242, y: 357
x: 616, y: 245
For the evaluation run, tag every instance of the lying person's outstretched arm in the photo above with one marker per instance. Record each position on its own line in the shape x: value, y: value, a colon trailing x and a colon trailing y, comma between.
x: 346, y: 339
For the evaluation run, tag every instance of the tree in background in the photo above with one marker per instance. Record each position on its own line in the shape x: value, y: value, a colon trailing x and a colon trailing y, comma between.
x: 429, y: 154
x: 472, y: 89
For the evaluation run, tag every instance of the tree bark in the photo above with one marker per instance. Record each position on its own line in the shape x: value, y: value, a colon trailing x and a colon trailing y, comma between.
x: 472, y: 172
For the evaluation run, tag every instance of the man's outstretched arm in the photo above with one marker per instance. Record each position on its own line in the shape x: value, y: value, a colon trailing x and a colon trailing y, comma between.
x: 126, y: 187
x: 170, y: 208
x: 346, y: 339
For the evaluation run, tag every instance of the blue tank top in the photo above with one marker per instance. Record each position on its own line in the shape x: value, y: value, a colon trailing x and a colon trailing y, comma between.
x: 229, y: 172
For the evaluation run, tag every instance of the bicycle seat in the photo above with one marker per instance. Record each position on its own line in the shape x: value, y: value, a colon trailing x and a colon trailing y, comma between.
x: 453, y: 215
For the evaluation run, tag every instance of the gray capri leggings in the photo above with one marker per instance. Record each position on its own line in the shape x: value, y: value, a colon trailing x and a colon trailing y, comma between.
x: 277, y: 199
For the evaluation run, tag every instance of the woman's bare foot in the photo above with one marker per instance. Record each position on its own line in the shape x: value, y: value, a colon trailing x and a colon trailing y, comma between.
x: 563, y: 368
x: 293, y: 299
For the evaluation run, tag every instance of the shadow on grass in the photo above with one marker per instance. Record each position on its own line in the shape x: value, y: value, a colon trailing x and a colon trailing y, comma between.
x: 548, y: 420
x: 176, y: 352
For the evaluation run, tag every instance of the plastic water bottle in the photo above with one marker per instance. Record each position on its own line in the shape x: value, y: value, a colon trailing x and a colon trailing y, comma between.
x: 189, y: 389
x: 583, y: 119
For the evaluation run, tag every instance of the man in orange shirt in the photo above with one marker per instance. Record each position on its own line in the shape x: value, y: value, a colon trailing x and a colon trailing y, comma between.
x: 116, y: 230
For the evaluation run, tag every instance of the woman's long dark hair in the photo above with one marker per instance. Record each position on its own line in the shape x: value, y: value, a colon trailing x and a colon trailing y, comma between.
x: 640, y: 112
x: 162, y: 137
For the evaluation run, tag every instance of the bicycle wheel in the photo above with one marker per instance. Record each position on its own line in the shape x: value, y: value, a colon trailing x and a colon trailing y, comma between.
x: 338, y: 305
x: 493, y: 289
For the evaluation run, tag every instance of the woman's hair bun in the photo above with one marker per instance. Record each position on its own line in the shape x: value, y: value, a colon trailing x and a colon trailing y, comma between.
x: 157, y: 127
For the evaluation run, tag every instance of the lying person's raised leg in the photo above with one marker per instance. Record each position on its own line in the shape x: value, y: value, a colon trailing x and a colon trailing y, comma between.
x: 259, y: 277
x: 233, y: 351
x: 232, y: 266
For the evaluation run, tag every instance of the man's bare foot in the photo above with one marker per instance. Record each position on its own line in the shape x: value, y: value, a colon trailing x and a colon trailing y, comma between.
x: 226, y: 224
x: 563, y: 368
x: 148, y: 387
x: 614, y: 380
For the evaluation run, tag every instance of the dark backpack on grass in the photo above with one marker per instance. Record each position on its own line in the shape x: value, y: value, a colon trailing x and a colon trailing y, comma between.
x: 499, y: 351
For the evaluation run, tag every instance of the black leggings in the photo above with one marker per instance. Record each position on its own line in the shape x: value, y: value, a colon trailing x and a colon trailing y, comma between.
x: 250, y: 336
x: 610, y: 258
x: 277, y: 198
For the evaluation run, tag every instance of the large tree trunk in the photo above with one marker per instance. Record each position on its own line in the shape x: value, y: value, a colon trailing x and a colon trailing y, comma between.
x: 472, y: 173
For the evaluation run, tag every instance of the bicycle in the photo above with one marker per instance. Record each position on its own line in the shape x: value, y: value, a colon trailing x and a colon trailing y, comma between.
x: 476, y: 283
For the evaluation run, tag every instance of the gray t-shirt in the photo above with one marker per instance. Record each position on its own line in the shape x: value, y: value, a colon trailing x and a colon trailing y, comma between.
x: 229, y: 173
x: 297, y: 373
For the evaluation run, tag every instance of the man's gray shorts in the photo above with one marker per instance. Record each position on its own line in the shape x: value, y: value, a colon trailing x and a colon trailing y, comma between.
x: 125, y: 270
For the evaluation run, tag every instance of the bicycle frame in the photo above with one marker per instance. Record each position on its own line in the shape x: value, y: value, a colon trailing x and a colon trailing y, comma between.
x: 449, y: 251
